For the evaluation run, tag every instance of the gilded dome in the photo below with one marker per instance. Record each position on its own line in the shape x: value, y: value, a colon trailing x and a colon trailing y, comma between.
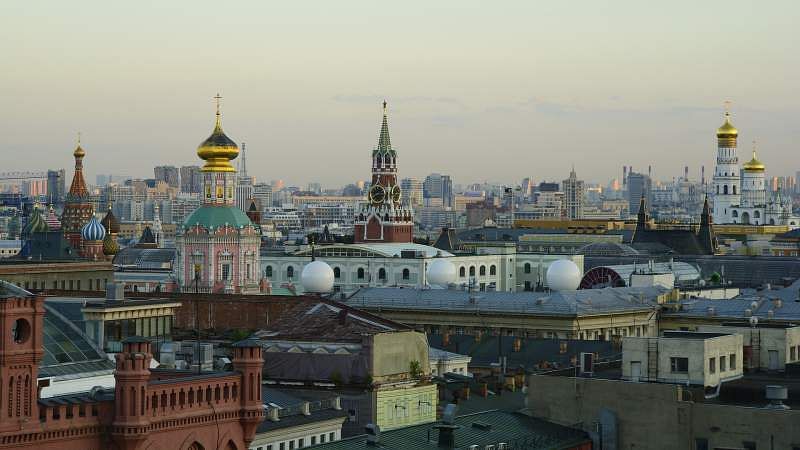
x: 727, y: 130
x: 218, y: 149
x: 79, y: 152
x: 754, y: 165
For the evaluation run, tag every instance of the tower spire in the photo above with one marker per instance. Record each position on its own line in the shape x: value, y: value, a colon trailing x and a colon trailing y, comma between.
x: 384, y: 142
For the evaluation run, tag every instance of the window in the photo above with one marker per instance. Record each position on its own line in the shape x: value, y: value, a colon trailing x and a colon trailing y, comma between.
x: 337, y: 273
x: 301, y: 443
x: 722, y: 363
x: 406, y: 274
x: 382, y: 274
x: 313, y: 440
x: 492, y: 270
x: 321, y: 438
x: 360, y: 273
x: 482, y: 271
x: 282, y: 446
x: 725, y: 189
x: 331, y: 436
x: 527, y: 267
x: 792, y: 353
x: 268, y: 272
x: 732, y: 360
x: 472, y: 271
x: 748, y: 445
x: 679, y: 365
x: 701, y: 444
x: 226, y: 271
x: 290, y: 272
x: 462, y: 272
x: 712, y: 365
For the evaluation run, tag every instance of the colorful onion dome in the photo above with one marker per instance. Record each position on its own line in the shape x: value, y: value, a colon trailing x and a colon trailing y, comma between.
x: 110, y: 222
x: 52, y: 220
x: 110, y: 246
x: 35, y: 224
x: 93, y: 230
x: 218, y: 149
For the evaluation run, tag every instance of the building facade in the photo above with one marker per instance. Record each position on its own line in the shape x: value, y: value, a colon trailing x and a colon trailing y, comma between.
x: 573, y: 196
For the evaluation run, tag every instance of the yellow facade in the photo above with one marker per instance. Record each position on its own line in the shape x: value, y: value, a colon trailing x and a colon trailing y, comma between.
x: 402, y: 406
x: 72, y: 276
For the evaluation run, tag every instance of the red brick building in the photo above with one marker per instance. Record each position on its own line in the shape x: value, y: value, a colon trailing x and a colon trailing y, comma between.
x: 383, y: 218
x: 147, y: 410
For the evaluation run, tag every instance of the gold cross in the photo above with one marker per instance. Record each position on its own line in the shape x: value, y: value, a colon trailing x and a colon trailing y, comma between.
x: 727, y: 106
x: 217, y: 98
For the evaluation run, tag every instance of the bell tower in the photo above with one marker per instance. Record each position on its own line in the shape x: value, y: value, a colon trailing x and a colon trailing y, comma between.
x: 383, y: 218
x: 21, y: 330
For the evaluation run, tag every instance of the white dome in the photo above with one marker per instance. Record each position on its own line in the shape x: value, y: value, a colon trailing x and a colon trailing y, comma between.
x: 317, y: 277
x: 441, y: 272
x: 563, y: 275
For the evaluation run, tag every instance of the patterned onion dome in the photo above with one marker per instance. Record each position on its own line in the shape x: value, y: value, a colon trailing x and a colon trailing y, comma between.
x: 110, y: 246
x: 110, y: 222
x: 35, y: 224
x: 52, y: 220
x: 93, y: 230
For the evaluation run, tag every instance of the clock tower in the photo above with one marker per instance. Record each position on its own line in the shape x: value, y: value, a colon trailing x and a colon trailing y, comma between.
x: 383, y: 218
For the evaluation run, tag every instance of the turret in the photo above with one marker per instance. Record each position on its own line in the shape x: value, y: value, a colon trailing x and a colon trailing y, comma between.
x: 21, y: 331
x: 131, y: 419
x: 248, y: 360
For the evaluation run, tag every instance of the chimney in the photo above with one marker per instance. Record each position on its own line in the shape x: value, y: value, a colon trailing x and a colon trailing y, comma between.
x: 373, y: 432
x: 776, y: 395
x: 343, y: 317
x: 272, y: 414
x: 448, y: 427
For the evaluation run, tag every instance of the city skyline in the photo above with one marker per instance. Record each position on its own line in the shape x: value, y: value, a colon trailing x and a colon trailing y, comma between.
x: 523, y: 94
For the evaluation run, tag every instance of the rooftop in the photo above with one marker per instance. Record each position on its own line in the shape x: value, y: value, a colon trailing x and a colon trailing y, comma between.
x: 385, y: 250
x: 482, y: 429
x: 567, y: 303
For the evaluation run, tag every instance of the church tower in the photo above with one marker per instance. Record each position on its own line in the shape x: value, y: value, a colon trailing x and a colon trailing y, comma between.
x: 726, y: 174
x: 77, y: 208
x: 383, y: 218
x: 218, y: 245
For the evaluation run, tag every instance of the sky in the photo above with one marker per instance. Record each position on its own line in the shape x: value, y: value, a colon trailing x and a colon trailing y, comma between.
x: 482, y: 90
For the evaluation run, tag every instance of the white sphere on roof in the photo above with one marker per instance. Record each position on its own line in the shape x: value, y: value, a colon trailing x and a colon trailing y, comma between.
x: 317, y: 277
x: 441, y: 272
x: 563, y: 275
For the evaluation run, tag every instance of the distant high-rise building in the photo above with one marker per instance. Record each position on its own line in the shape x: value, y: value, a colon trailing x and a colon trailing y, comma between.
x: 639, y: 185
x: 191, y: 180
x: 56, y: 186
x: 573, y: 196
x: 167, y: 174
x: 316, y: 188
x: 412, y: 191
x: 440, y: 186
x: 262, y: 192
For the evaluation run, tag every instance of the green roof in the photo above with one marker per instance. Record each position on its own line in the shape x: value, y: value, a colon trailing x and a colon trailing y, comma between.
x: 482, y: 429
x: 213, y: 217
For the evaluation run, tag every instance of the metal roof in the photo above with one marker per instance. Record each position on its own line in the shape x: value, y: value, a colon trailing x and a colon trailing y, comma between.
x: 481, y: 429
x: 683, y: 271
x: 387, y: 250
x: 581, y: 302
x: 67, y: 350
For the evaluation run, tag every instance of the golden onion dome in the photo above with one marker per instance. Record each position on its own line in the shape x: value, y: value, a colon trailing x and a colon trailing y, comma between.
x: 218, y: 149
x: 727, y: 130
x: 754, y: 165
x: 79, y: 152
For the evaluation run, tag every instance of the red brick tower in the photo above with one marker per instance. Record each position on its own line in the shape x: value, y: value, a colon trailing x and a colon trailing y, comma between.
x: 248, y: 360
x: 383, y: 218
x: 77, y: 208
x: 21, y: 325
x: 131, y: 421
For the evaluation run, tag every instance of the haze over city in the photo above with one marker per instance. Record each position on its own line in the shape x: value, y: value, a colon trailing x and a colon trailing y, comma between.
x: 480, y: 90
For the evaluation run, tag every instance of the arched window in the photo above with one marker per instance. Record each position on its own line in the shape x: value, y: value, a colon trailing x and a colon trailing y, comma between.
x: 462, y: 272
x: 735, y: 213
x: 492, y: 270
x: 360, y: 273
x: 472, y: 271
x: 757, y: 214
x: 337, y: 273
x: 290, y: 272
x: 482, y: 271
x: 527, y: 267
x: 382, y: 274
x: 268, y: 271
x: 725, y: 189
x: 406, y: 274
x: 717, y: 189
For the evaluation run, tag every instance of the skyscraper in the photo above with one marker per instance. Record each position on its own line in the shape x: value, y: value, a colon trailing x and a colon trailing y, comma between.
x: 639, y: 185
x: 412, y: 192
x: 573, y: 196
x: 56, y: 186
x: 167, y: 174
x: 191, y: 179
x: 439, y: 186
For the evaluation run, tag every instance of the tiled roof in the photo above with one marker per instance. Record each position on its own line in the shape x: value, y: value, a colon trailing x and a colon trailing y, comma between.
x: 581, y: 302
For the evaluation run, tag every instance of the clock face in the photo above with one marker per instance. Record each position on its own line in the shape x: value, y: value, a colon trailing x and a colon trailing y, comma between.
x: 396, y: 193
x: 377, y: 194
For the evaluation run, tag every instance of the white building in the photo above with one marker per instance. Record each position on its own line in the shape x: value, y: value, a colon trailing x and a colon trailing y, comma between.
x: 740, y: 195
x: 443, y: 362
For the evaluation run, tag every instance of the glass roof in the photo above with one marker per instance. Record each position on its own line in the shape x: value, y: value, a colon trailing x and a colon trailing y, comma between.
x: 67, y: 350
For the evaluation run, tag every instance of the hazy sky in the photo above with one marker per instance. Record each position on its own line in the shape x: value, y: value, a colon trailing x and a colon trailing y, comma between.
x: 492, y: 90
